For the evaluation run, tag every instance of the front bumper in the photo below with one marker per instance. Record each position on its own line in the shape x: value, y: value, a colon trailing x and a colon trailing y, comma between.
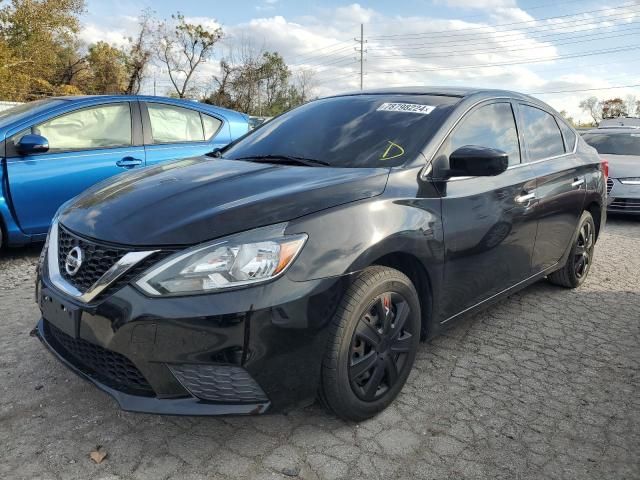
x: 238, y: 352
x: 623, y: 198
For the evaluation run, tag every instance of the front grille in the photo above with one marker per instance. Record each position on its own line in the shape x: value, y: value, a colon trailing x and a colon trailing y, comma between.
x: 609, y: 185
x: 96, y: 261
x: 219, y: 383
x: 625, y: 204
x: 107, y: 367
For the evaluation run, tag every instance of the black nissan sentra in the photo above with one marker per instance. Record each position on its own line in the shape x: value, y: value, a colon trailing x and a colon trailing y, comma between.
x: 309, y: 258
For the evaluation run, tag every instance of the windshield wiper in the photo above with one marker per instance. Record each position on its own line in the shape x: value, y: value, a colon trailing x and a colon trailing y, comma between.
x: 287, y: 159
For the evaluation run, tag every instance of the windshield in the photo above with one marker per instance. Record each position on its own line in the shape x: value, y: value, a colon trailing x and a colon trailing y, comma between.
x: 350, y: 131
x: 614, y: 143
x: 21, y: 111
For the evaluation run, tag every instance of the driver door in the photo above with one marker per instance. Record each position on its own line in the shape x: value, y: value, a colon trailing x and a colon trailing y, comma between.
x: 86, y: 146
x: 489, y: 224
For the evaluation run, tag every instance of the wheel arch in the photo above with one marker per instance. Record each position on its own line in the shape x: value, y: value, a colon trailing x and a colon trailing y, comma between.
x: 595, y: 209
x: 413, y: 268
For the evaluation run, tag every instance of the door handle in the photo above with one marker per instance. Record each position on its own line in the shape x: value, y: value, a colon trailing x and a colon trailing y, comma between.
x: 577, y: 182
x: 129, y: 162
x: 525, y: 198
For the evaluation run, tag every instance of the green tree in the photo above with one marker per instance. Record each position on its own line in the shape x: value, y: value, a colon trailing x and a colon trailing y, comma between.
x: 35, y: 39
x: 107, y: 69
x: 614, y: 108
x: 259, y: 83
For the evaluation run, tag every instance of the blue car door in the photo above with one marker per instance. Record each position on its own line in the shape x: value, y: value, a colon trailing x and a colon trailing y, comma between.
x: 86, y: 145
x: 173, y: 132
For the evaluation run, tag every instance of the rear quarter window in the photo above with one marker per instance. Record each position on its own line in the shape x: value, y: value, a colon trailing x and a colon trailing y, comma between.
x: 542, y: 135
x: 569, y: 136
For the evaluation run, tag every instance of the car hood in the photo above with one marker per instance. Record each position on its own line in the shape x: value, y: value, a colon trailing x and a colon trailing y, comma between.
x: 621, y: 166
x: 195, y: 200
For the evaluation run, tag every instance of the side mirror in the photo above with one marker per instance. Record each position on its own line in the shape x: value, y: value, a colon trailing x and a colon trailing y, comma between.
x: 32, y: 143
x: 475, y: 161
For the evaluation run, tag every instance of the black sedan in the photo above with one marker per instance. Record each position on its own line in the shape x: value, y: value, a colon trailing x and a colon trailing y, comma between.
x: 309, y: 258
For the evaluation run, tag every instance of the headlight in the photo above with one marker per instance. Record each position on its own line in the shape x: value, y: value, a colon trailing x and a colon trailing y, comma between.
x: 630, y: 180
x: 244, y: 259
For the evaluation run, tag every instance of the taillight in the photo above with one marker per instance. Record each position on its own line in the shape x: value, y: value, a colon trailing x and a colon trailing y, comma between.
x: 604, y: 165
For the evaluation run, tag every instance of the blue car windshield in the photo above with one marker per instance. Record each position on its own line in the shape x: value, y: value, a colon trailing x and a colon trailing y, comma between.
x: 370, y: 130
x: 19, y: 112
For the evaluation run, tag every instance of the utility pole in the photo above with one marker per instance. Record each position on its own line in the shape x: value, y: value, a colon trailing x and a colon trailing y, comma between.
x: 362, y: 51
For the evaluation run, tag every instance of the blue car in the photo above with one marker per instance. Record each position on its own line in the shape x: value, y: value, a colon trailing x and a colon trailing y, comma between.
x: 54, y: 149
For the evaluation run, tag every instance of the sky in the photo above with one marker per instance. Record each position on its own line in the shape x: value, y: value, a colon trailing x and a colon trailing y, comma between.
x: 560, y: 51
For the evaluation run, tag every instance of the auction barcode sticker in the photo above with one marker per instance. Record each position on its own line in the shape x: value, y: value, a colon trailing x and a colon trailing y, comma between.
x: 406, y: 107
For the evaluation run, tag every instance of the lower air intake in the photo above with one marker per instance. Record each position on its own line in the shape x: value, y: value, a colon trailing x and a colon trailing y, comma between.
x: 219, y: 383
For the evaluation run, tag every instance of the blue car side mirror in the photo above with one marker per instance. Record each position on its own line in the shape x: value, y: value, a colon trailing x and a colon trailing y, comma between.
x: 32, y: 143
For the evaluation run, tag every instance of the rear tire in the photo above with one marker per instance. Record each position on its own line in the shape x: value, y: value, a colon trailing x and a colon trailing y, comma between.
x: 575, y: 270
x: 373, y: 343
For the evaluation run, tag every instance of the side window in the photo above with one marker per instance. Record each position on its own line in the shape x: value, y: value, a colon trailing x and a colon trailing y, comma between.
x: 97, y: 127
x: 211, y: 126
x: 569, y: 136
x: 541, y: 134
x: 170, y: 124
x: 490, y: 126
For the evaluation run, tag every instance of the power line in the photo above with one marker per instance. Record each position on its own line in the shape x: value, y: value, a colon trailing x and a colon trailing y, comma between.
x: 586, y: 89
x: 538, y: 60
x: 560, y: 26
x: 524, y: 33
x: 535, y: 7
x: 323, y: 55
x: 421, y: 34
x: 499, y: 50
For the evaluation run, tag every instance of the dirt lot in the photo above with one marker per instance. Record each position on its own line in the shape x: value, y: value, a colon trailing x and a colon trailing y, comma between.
x: 543, y: 385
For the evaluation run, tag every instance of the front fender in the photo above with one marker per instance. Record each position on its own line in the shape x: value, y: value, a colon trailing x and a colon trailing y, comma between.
x: 11, y: 233
x: 351, y: 237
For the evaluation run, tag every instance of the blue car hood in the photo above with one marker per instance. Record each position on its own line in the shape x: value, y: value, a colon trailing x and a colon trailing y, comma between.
x: 195, y: 200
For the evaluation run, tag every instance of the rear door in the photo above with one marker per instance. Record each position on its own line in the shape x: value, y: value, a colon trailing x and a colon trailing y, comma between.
x: 173, y: 132
x: 86, y: 145
x: 489, y: 227
x: 550, y: 151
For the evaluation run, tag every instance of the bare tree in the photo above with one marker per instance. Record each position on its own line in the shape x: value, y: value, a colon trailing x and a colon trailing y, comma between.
x: 138, y: 54
x: 631, y: 102
x: 305, y: 82
x: 593, y: 107
x: 182, y: 46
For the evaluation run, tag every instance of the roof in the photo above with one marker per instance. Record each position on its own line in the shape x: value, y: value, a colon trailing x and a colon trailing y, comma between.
x: 614, y: 130
x: 460, y: 92
x: 151, y: 98
x: 620, y: 122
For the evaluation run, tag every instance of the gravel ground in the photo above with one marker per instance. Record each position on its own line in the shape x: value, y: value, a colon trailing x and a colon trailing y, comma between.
x: 543, y: 385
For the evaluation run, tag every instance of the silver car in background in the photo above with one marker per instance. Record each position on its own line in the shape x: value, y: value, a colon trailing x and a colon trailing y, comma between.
x: 620, y: 146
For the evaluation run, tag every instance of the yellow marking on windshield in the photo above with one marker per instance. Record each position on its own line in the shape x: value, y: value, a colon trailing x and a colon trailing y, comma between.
x: 393, y: 151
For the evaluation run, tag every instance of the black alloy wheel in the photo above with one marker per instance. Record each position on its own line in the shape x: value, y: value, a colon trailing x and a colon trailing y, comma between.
x: 583, y: 251
x: 379, y: 346
x: 575, y: 270
x: 372, y: 345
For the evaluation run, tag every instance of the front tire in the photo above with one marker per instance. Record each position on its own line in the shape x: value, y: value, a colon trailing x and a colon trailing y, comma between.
x: 575, y: 270
x: 373, y: 343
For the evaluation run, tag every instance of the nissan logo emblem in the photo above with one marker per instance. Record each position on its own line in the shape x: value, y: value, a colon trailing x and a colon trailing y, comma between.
x: 73, y: 262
